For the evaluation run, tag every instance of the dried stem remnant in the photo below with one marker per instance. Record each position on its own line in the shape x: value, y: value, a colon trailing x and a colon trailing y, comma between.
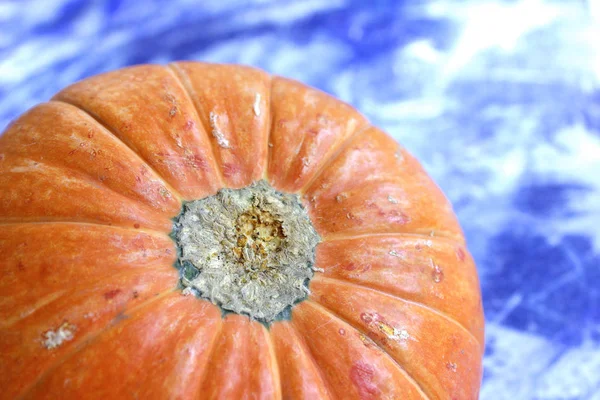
x: 250, y: 250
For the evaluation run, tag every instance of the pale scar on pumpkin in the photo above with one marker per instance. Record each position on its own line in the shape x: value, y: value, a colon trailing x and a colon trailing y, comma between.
x: 256, y: 105
x: 54, y: 338
x: 251, y: 251
x: 222, y: 141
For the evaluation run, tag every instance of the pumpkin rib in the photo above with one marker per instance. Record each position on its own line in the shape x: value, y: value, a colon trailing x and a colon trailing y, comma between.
x: 83, y: 177
x: 273, y: 355
x: 104, y: 126
x: 433, y: 271
x: 372, y: 187
x: 309, y: 125
x: 184, y: 81
x: 10, y: 322
x: 138, y: 212
x: 166, y: 351
x: 50, y: 298
x: 267, y: 364
x: 240, y: 363
x: 77, y: 147
x: 440, y: 235
x: 404, y: 332
x: 48, y: 221
x: 231, y: 353
x: 334, y: 154
x: 210, y: 354
x: 86, y: 341
x: 416, y: 303
x: 326, y: 161
x: 233, y: 104
x: 304, y: 351
x: 384, y: 353
x: 310, y: 355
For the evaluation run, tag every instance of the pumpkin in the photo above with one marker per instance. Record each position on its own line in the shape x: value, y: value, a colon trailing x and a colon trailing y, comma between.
x: 211, y: 231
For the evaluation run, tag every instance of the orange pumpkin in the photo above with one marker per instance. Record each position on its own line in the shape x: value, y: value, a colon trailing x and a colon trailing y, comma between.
x: 159, y: 230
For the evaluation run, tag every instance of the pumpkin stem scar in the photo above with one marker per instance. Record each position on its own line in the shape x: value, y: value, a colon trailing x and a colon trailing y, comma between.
x: 250, y: 251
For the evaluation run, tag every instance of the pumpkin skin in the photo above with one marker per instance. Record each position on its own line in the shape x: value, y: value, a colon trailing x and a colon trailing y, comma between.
x: 90, y: 183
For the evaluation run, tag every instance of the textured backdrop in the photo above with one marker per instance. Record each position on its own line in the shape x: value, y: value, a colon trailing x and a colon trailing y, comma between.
x: 499, y: 99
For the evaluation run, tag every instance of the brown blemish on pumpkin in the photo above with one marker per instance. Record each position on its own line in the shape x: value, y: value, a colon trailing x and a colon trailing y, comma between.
x: 136, y: 225
x: 381, y: 330
x: 395, y: 216
x: 189, y: 124
x: 437, y: 274
x: 350, y: 267
x: 451, y: 366
x: 362, y: 376
x: 368, y: 317
x: 460, y: 254
x: 341, y: 197
x: 112, y: 294
x: 164, y: 192
x: 196, y: 161
x: 230, y: 170
x: 398, y: 254
x: 365, y: 340
x: 120, y: 317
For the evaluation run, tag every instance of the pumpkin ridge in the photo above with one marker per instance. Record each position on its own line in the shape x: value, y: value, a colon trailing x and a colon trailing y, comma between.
x: 184, y: 81
x: 65, y: 293
x: 439, y: 235
x: 273, y: 355
x: 50, y: 298
x: 308, y: 353
x: 104, y: 126
x: 409, y: 378
x: 211, y: 351
x: 86, y: 178
x: 415, y: 303
x: 149, y: 231
x: 84, y: 342
x: 334, y: 154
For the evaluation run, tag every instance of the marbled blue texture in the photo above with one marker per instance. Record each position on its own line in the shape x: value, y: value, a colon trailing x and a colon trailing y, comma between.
x: 499, y: 99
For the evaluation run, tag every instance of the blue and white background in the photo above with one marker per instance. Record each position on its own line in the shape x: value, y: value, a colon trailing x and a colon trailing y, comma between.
x: 500, y: 100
